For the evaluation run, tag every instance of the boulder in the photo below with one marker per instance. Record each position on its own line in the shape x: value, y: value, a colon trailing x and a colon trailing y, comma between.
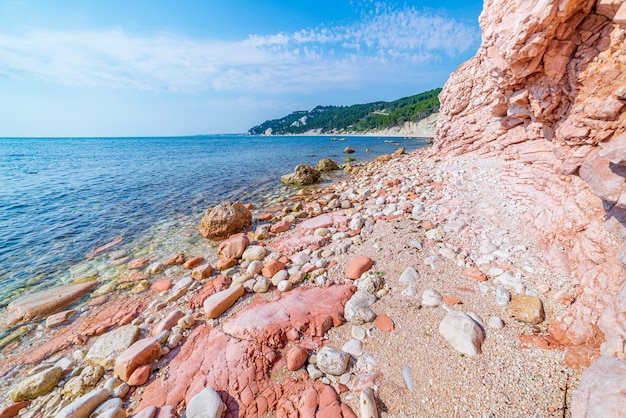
x: 225, y: 219
x: 303, y: 175
x: 348, y: 150
x: 168, y: 322
x: 332, y: 361
x: 206, y: 404
x: 326, y: 164
x: 37, y: 385
x: 44, y: 303
x: 601, y: 390
x: 463, y: 333
x: 109, y: 346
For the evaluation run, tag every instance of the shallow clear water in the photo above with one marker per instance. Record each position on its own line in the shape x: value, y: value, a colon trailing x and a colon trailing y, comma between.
x: 61, y: 198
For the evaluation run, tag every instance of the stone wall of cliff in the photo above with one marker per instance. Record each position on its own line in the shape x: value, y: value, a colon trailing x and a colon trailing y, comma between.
x: 547, y: 91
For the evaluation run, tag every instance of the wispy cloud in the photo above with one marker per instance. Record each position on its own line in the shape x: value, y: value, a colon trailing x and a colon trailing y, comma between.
x: 300, y: 61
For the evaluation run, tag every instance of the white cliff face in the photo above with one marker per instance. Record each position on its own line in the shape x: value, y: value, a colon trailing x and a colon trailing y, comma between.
x: 547, y: 91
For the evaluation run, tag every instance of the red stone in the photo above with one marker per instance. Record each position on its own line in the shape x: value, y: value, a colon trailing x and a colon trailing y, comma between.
x: 264, y: 217
x: 161, y: 285
x: 138, y: 263
x: 271, y: 268
x: 238, y: 360
x: 281, y: 226
x: 384, y: 323
x: 168, y: 322
x: 234, y: 246
x: 148, y: 412
x: 175, y: 260
x: 211, y: 287
x: 140, y: 376
x: 167, y: 412
x: 193, y: 262
x: 203, y: 271
x: 580, y: 357
x: 474, y: 273
x: 135, y: 277
x: 225, y: 264
x: 142, y: 352
x: 358, y: 266
x: 12, y: 410
x: 296, y: 357
x: 451, y: 300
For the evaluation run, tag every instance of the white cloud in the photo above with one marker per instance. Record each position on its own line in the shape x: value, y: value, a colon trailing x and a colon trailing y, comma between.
x: 302, y: 61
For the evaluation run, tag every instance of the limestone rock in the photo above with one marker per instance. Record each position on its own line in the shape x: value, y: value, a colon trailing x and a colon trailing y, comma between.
x: 326, y: 164
x: 224, y: 219
x: 357, y: 310
x: 37, y: 385
x: 85, y: 405
x: 303, y: 175
x: 332, y: 361
x: 370, y: 282
x: 525, y: 308
x: 601, y: 390
x: 431, y: 298
x: 254, y: 252
x: 462, y: 332
x: 44, y: 303
x: 109, y: 346
x: 564, y: 145
x: 84, y: 382
x: 367, y: 402
x: 206, y: 404
x: 409, y: 277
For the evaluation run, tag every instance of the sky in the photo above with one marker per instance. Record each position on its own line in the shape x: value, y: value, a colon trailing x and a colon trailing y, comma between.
x: 92, y: 68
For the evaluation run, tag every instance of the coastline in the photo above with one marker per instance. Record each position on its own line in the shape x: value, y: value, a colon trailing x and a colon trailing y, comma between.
x: 425, y: 128
x: 407, y: 212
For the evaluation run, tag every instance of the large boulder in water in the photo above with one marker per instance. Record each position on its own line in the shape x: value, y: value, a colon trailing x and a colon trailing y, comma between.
x: 326, y: 164
x: 302, y: 176
x: 224, y: 220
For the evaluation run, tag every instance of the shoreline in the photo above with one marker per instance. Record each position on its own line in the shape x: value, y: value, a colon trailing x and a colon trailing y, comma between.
x: 404, y: 195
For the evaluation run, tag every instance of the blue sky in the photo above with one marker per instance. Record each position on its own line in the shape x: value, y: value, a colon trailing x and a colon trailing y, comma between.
x: 157, y: 68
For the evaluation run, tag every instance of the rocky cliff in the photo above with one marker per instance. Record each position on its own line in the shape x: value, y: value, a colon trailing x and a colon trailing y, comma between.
x: 547, y: 91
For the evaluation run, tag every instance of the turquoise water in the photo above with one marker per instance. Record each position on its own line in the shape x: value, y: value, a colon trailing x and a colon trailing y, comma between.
x: 61, y: 198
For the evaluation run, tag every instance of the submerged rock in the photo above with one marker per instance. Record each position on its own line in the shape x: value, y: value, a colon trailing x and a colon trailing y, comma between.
x: 42, y: 304
x: 303, y: 175
x: 326, y: 164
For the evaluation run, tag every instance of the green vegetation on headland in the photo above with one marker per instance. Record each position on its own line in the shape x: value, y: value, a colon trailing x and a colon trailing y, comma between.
x: 355, y: 118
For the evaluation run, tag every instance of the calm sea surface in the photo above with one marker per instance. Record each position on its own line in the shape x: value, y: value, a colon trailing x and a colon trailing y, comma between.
x: 61, y: 198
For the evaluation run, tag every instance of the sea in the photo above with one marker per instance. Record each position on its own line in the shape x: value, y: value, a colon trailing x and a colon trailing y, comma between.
x: 61, y: 198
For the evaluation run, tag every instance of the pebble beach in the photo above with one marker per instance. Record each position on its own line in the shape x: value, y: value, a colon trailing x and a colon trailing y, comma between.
x: 407, y: 287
